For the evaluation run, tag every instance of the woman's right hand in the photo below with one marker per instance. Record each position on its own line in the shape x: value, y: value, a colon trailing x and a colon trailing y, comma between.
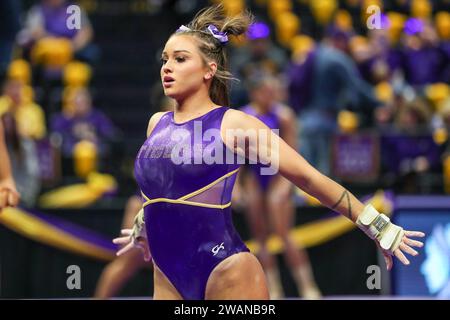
x: 9, y: 197
x: 129, y: 242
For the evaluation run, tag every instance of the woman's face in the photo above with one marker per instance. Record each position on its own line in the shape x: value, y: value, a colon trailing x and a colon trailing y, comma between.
x: 183, y: 70
x: 82, y: 103
x: 14, y: 89
x: 264, y: 95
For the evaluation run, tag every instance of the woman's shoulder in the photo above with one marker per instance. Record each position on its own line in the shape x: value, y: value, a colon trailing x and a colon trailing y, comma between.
x: 237, y: 119
x: 154, y: 119
x: 233, y: 117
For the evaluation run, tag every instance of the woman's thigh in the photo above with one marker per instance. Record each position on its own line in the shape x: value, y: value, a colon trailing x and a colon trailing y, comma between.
x: 240, y: 276
x: 163, y: 288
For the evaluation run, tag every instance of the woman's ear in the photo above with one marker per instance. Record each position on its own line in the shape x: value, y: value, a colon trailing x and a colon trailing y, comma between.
x: 212, y: 70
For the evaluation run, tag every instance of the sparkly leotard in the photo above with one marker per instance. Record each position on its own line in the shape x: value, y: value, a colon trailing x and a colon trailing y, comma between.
x: 187, y: 205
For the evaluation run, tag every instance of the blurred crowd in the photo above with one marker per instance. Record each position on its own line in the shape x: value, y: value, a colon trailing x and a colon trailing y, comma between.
x: 380, y: 76
x: 367, y: 77
x: 53, y: 129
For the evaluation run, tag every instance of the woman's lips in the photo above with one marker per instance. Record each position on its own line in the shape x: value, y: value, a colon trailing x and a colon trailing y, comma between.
x: 168, y: 81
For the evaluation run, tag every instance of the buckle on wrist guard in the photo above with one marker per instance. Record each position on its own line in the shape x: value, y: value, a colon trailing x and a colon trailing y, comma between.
x: 380, y: 223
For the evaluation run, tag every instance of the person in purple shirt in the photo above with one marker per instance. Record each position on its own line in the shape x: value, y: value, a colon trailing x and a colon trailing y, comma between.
x: 269, y: 198
x: 49, y: 19
x: 187, y: 167
x: 259, y: 54
x: 378, y: 59
x: 423, y: 60
x: 325, y: 83
x: 408, y: 149
x: 83, y: 122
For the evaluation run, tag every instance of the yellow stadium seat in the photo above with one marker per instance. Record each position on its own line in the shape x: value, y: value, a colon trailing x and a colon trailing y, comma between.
x: 421, y: 9
x: 77, y: 74
x: 85, y: 158
x: 442, y: 23
x: 437, y: 93
x: 396, y: 23
x: 20, y: 70
x: 440, y: 136
x: 348, y: 121
x: 233, y: 7
x: 366, y: 4
x: 384, y: 92
x: 277, y: 7
x: 52, y: 52
x: 343, y: 20
x: 301, y: 44
x: 323, y: 10
x: 287, y: 27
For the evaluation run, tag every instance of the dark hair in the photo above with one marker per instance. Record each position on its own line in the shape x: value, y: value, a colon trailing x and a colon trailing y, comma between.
x: 258, y: 79
x: 213, y: 49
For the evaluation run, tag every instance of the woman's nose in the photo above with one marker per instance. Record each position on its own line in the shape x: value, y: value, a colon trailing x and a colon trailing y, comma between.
x: 167, y: 67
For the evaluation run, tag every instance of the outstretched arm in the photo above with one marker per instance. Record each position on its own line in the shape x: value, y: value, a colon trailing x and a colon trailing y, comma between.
x: 238, y: 126
x: 8, y: 192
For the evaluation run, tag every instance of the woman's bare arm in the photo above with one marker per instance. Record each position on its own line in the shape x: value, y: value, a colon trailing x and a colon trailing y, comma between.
x: 238, y: 126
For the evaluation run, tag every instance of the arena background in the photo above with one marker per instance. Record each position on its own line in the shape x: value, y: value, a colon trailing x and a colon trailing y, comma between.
x: 370, y: 149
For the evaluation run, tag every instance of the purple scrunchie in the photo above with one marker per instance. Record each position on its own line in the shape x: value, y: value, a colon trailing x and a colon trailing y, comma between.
x: 221, y: 36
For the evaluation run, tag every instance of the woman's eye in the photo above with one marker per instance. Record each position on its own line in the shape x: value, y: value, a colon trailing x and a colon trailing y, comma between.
x: 180, y: 59
x: 163, y: 60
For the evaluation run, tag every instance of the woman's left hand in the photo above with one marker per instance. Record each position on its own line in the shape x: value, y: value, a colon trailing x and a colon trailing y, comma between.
x: 406, y: 245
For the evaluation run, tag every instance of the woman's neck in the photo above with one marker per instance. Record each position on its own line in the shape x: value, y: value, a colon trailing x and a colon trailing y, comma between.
x: 194, y: 105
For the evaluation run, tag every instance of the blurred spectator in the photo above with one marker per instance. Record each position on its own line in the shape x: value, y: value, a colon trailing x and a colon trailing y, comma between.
x: 421, y: 44
x: 377, y: 56
x: 18, y: 100
x: 48, y: 20
x: 80, y: 121
x: 259, y: 55
x: 326, y: 82
x: 24, y: 160
x: 413, y: 117
x: 408, y: 150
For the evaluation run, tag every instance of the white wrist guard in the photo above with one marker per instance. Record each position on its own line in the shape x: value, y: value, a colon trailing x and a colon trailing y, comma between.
x: 380, y: 228
x: 139, y: 227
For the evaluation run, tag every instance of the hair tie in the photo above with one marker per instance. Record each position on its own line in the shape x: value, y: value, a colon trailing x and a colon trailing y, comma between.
x: 183, y: 28
x: 221, y: 36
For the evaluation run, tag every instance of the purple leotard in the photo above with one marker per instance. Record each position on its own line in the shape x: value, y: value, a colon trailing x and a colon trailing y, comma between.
x: 187, y: 206
x: 272, y: 120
